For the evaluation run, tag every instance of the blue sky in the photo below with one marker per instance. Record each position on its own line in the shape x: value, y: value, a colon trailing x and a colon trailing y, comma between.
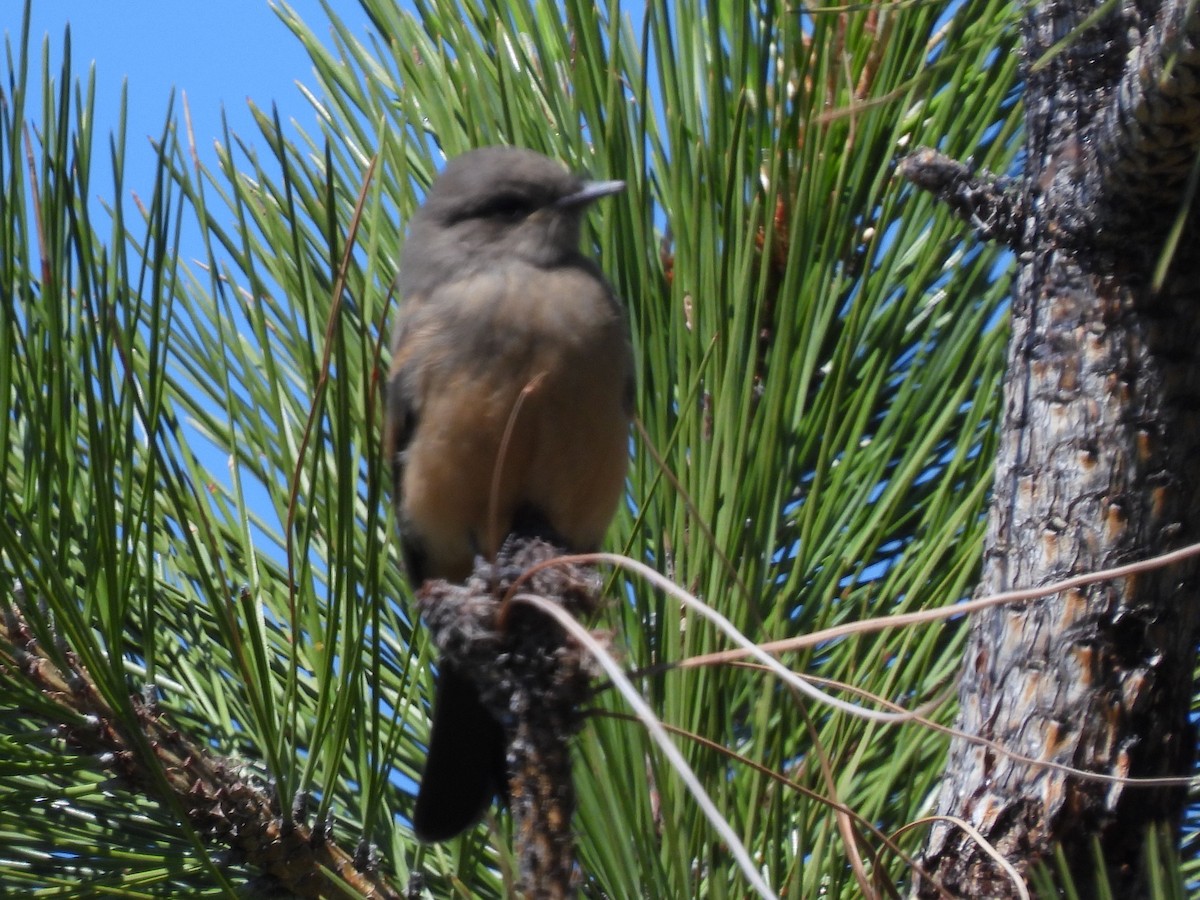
x: 220, y: 52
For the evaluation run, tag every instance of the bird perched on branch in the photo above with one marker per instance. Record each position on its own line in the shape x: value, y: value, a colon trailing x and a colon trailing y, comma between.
x: 508, y: 410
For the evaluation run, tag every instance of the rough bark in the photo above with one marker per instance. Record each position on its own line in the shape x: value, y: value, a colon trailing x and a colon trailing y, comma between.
x: 1098, y: 459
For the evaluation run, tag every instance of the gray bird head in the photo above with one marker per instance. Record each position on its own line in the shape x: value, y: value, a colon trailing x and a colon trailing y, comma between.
x: 498, y: 203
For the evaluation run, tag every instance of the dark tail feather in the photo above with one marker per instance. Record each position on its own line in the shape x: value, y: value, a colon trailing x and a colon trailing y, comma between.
x: 465, y: 768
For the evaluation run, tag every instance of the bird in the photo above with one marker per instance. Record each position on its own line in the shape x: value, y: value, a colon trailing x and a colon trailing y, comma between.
x: 508, y: 406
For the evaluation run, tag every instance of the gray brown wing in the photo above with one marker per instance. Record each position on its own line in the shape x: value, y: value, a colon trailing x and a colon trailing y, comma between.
x: 400, y: 423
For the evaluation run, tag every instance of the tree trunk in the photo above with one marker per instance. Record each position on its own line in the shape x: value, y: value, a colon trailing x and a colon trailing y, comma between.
x: 1098, y: 457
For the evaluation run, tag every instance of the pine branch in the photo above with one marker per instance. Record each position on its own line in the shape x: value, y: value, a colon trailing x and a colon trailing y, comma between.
x: 223, y: 801
x: 988, y: 203
x: 1148, y: 136
x: 532, y: 679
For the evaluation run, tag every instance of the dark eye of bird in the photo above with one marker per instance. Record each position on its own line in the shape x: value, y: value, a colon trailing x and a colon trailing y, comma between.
x: 505, y: 206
